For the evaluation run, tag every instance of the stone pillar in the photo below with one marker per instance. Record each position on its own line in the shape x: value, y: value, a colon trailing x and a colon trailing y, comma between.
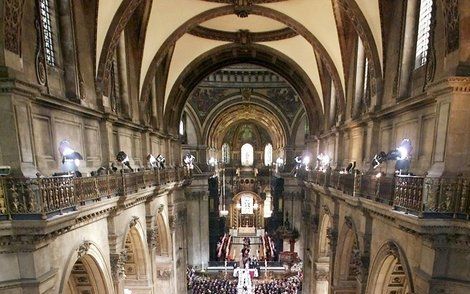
x: 408, y: 54
x: 123, y: 76
x: 154, y: 112
x: 107, y: 142
x: 16, y: 144
x: 451, y: 154
x: 178, y: 223
x: 338, y: 156
x: 359, y: 89
x: 371, y: 143
x: 67, y: 36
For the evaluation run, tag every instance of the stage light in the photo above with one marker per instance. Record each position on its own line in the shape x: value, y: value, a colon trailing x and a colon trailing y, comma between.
x: 306, y: 160
x: 212, y: 161
x: 188, y: 160
x: 70, y: 158
x: 161, y: 161
x: 255, y: 206
x: 378, y: 159
x: 378, y: 175
x: 152, y: 161
x: 122, y: 158
x: 279, y: 161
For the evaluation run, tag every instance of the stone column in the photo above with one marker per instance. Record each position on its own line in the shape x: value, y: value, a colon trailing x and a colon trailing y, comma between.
x: 359, y: 89
x: 153, y: 96
x: 67, y: 36
x: 451, y: 154
x: 123, y: 76
x: 107, y: 142
x: 16, y: 144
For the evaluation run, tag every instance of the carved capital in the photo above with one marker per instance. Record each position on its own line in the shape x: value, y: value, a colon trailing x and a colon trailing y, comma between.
x: 242, y: 7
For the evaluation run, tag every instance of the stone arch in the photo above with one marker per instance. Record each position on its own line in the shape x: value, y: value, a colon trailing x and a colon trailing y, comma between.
x: 348, y: 254
x: 118, y: 24
x: 137, y: 268
x: 162, y: 233
x: 256, y: 10
x: 86, y: 270
x: 230, y: 54
x: 323, y: 241
x: 390, y: 271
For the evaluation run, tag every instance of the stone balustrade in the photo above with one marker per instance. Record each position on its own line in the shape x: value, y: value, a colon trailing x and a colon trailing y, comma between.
x: 418, y: 195
x: 44, y: 197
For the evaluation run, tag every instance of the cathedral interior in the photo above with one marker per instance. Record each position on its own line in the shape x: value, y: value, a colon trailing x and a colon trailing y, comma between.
x: 235, y: 146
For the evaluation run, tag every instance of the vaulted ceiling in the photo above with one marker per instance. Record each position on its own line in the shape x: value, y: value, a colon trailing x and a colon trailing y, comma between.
x: 309, y: 35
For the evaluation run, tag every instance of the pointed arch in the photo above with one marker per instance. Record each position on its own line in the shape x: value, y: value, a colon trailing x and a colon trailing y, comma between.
x: 162, y: 236
x: 86, y: 269
x: 390, y: 271
x: 348, y: 253
x: 137, y: 266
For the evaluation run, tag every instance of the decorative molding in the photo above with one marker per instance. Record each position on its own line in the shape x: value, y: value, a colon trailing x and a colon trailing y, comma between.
x: 451, y: 14
x: 40, y: 61
x: 12, y: 15
x: 152, y: 237
x: 133, y: 221
x: 163, y: 274
x: 392, y: 249
x: 83, y: 248
x: 349, y: 222
x: 118, y: 262
x: 235, y: 37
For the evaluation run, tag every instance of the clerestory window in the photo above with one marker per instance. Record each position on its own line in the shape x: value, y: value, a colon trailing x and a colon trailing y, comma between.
x: 424, y: 27
x: 46, y: 24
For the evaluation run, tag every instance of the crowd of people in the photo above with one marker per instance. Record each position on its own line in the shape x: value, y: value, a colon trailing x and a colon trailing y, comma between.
x: 209, y: 285
x: 290, y: 285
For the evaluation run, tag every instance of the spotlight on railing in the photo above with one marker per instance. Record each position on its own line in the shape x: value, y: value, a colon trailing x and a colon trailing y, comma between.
x: 188, y: 160
x: 123, y: 159
x: 152, y: 161
x: 161, y: 161
x: 401, y: 154
x: 70, y: 158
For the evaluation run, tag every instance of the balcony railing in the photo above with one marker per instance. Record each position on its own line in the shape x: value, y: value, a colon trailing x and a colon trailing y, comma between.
x: 34, y: 198
x: 418, y: 195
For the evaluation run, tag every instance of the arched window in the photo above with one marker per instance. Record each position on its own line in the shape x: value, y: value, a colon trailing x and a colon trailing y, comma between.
x: 268, y: 155
x: 225, y: 153
x: 181, y: 128
x: 46, y: 23
x: 247, y: 155
x: 424, y: 27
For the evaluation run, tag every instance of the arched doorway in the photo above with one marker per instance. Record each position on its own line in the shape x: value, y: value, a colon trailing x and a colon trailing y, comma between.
x: 390, y: 272
x: 137, y: 276
x: 86, y: 277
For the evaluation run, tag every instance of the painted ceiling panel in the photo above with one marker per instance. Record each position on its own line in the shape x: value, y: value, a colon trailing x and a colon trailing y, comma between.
x: 187, y: 49
x: 253, y: 23
x: 166, y: 16
x: 371, y: 12
x: 106, y: 11
x: 301, y: 52
x: 318, y: 17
